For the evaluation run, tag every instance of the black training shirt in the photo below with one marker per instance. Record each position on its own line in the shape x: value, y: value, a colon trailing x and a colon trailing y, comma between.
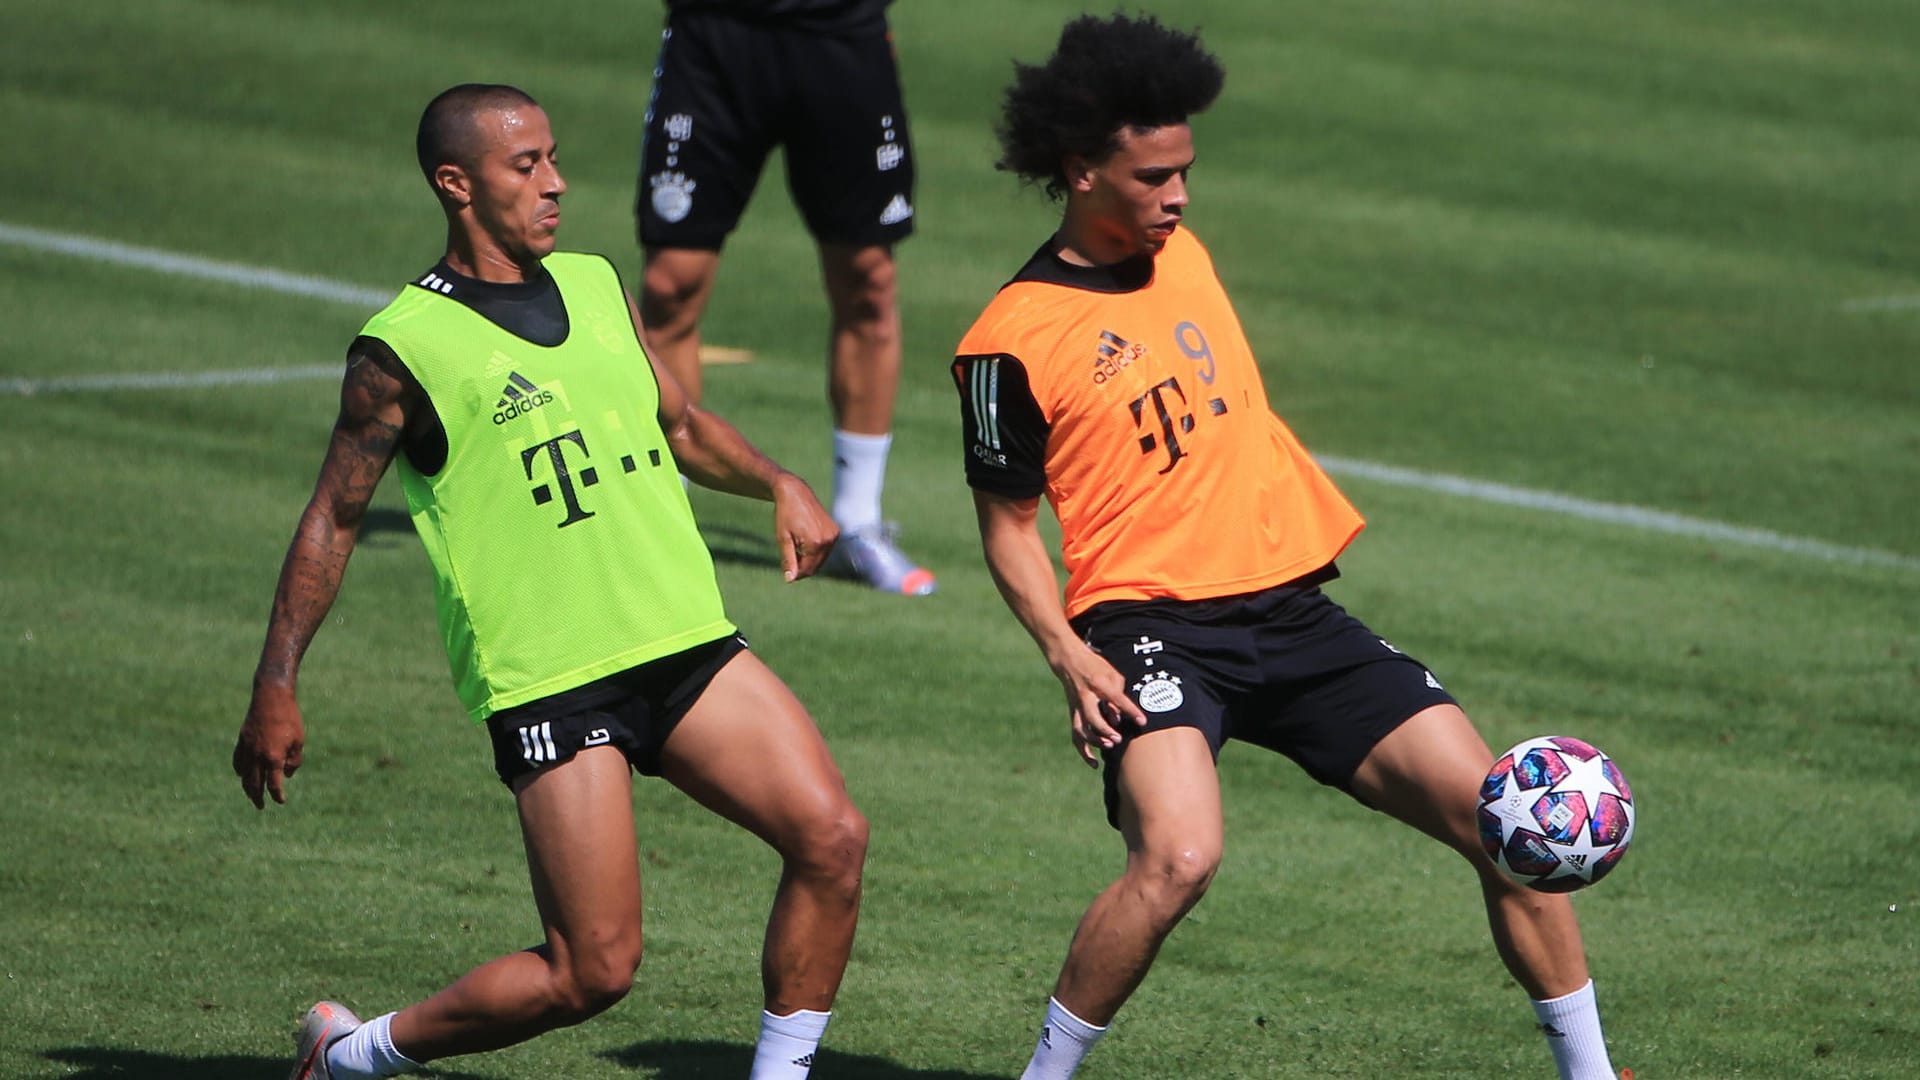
x: 820, y: 16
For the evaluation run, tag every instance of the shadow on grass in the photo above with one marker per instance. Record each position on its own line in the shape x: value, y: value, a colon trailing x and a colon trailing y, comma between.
x: 683, y: 1059
x: 668, y: 1059
x: 101, y: 1063
x: 744, y: 547
x: 384, y: 524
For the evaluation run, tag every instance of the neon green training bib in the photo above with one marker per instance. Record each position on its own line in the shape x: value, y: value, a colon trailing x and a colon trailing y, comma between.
x: 562, y: 545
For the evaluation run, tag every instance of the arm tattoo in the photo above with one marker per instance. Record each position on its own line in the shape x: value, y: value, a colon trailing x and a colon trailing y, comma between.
x: 374, y: 406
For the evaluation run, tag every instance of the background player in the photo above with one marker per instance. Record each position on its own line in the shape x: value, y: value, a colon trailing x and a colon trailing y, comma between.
x: 1111, y: 375
x: 537, y: 446
x: 734, y: 79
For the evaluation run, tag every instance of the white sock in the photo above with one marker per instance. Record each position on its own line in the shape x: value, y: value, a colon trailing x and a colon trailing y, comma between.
x: 859, y: 472
x: 1064, y: 1040
x: 368, y: 1052
x: 1572, y: 1027
x: 787, y: 1044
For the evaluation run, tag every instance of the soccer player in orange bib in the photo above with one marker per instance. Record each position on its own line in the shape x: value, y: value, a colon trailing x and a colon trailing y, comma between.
x: 1112, y: 376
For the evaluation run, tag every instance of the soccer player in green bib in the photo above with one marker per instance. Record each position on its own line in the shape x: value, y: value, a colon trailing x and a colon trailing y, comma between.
x: 540, y: 448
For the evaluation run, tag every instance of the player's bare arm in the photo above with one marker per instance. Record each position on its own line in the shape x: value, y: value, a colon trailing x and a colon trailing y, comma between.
x: 1017, y: 557
x: 714, y: 454
x: 376, y: 401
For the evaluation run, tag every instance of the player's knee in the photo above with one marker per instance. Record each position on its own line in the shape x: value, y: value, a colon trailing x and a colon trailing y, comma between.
x: 669, y: 295
x: 1503, y: 894
x: 1461, y: 832
x: 595, y: 982
x: 1176, y: 879
x: 864, y: 296
x: 833, y: 847
x: 841, y: 846
x: 1189, y: 871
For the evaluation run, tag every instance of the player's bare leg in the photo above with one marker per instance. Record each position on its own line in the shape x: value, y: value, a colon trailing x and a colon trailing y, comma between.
x: 749, y: 752
x: 863, y: 377
x: 577, y: 820
x: 863, y: 345
x: 675, y: 285
x: 1170, y: 817
x: 1427, y: 773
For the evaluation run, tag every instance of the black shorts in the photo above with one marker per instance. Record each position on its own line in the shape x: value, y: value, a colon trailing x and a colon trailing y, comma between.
x: 726, y: 91
x: 635, y: 710
x: 1285, y: 668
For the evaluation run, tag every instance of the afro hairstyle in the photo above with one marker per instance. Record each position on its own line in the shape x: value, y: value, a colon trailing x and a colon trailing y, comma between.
x: 1106, y: 74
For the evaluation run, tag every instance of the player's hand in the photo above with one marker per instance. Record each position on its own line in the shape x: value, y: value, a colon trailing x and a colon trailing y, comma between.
x: 803, y: 528
x: 1097, y: 702
x: 270, y: 745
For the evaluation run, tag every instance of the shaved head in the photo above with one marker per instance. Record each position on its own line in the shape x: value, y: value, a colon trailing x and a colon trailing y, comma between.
x: 449, y: 133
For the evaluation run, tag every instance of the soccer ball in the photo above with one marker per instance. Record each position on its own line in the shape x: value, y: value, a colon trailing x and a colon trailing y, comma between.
x: 1555, y: 814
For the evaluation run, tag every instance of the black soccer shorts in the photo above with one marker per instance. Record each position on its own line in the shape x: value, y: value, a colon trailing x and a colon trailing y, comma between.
x: 1285, y: 668
x: 635, y: 710
x: 727, y: 90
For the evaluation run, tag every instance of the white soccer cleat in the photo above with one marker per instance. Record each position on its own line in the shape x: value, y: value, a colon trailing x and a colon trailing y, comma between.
x: 869, y: 554
x: 326, y: 1023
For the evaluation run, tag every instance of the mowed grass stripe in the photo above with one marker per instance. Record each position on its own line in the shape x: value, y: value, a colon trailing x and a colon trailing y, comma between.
x: 318, y: 288
x: 1456, y: 236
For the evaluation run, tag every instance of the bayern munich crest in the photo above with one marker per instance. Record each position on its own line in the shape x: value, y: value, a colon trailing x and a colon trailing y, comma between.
x: 672, y: 196
x: 1159, y: 692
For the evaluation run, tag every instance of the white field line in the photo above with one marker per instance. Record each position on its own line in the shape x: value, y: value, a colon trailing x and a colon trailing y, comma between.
x: 169, y: 380
x: 1909, y: 302
x: 167, y: 262
x: 1637, y: 517
x: 1618, y: 514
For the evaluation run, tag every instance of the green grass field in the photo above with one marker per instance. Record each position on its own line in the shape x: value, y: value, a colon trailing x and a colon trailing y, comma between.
x: 1658, y: 255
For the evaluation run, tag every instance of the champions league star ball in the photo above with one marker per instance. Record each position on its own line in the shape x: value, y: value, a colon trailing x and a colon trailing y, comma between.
x: 1555, y: 814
